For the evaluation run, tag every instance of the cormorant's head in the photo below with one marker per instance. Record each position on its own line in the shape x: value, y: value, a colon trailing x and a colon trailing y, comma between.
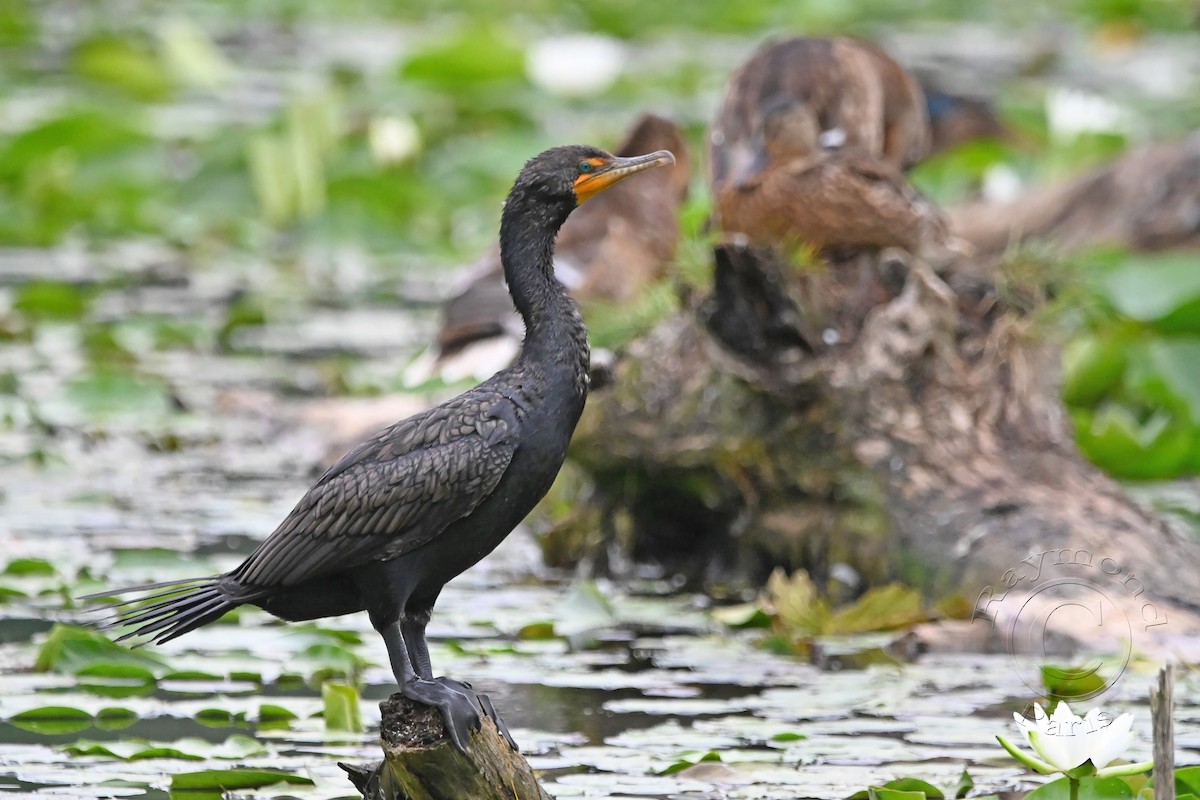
x: 566, y: 176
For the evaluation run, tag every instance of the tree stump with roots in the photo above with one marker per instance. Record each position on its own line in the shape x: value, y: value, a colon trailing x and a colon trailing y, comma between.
x: 870, y: 413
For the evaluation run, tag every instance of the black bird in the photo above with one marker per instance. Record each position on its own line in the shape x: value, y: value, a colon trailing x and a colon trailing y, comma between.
x: 609, y: 252
x: 388, y: 525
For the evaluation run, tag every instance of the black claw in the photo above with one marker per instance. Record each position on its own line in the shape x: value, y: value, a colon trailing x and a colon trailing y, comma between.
x: 489, y: 710
x: 484, y: 704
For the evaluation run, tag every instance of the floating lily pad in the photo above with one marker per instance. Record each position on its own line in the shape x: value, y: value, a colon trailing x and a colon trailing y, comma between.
x: 70, y: 649
x: 233, y: 779
x: 52, y: 720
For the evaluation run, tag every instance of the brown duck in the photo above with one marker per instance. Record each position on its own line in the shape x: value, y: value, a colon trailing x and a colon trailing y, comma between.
x: 809, y: 145
x: 608, y: 250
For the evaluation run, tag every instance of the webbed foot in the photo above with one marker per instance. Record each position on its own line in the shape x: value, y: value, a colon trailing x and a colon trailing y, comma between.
x: 460, y: 710
x: 485, y: 705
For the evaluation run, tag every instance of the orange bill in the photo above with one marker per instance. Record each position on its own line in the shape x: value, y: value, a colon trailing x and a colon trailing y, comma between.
x: 608, y: 172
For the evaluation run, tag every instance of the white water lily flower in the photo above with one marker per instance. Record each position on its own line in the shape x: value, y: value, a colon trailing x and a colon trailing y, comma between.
x: 1070, y: 112
x: 393, y: 139
x: 576, y: 65
x: 1066, y: 742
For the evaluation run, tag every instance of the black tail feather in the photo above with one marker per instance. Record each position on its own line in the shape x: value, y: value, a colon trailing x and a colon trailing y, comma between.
x: 163, y: 615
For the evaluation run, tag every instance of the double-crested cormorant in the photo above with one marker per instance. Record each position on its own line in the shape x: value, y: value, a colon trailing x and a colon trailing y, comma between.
x: 387, y: 526
x: 609, y: 250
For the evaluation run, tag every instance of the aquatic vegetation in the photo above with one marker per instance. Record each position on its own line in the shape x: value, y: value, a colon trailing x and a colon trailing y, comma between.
x: 1081, y: 748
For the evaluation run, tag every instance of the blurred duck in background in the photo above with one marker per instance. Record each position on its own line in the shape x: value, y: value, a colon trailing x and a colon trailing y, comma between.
x: 609, y: 250
x: 810, y: 144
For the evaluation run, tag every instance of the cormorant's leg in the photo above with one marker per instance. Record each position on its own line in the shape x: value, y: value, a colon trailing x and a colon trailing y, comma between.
x: 458, y: 709
x: 413, y: 630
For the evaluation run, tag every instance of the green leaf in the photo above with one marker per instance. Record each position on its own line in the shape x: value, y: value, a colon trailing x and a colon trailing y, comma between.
x: 124, y: 64
x: 536, y: 631
x: 1092, y: 368
x: 236, y: 747
x: 117, y: 680
x: 191, y: 56
x: 227, y: 780
x: 477, y: 54
x: 69, y: 649
x: 797, y: 606
x: 52, y: 720
x: 964, y: 786
x: 52, y: 300
x: 915, y: 785
x: 1155, y: 288
x: 1066, y: 683
x: 333, y: 659
x: 30, y: 566
x: 880, y: 609
x: 1175, y: 362
x: 742, y: 616
x: 342, y: 712
x: 788, y: 736
x: 106, y: 392
x: 115, y: 718
x: 1089, y: 789
x: 215, y: 717
x: 686, y: 762
x: 84, y: 135
x: 1114, y: 439
x: 1187, y: 779
x: 883, y: 793
x: 268, y: 712
x: 128, y: 750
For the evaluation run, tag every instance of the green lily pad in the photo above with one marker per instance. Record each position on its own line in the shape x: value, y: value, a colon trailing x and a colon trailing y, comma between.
x: 235, y: 747
x: 883, y: 793
x: 1066, y: 683
x: 70, y: 649
x: 51, y: 300
x: 110, y: 392
x: 1187, y: 780
x: 1091, y: 788
x: 709, y: 757
x: 52, y: 720
x: 115, y: 718
x: 476, y: 54
x: 227, y: 780
x: 342, y: 708
x: 124, y: 64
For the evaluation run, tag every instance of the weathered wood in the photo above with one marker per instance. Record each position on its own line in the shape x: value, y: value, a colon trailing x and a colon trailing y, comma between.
x: 1145, y: 200
x: 864, y: 413
x: 1162, y: 708
x: 420, y: 763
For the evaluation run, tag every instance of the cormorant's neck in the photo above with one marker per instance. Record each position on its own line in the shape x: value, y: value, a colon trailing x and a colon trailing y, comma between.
x: 554, y: 331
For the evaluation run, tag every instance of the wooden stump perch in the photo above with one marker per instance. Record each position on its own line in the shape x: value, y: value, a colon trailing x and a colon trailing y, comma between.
x: 420, y: 763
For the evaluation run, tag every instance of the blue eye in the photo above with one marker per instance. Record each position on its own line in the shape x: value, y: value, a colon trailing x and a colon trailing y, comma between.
x: 586, y: 166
